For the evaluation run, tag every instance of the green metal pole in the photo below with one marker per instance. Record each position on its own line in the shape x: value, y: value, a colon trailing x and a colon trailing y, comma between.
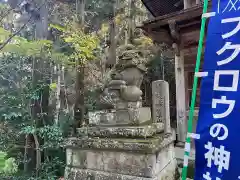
x: 195, y: 83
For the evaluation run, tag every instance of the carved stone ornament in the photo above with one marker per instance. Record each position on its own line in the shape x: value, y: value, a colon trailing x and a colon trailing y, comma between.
x: 126, y: 79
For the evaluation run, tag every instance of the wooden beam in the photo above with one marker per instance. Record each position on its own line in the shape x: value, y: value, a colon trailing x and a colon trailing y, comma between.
x: 186, y: 87
x: 174, y: 31
x: 191, y: 25
x: 190, y: 56
x: 180, y: 94
x: 187, y: 4
x: 178, y: 16
x: 186, y: 14
x: 190, y: 67
x: 190, y: 38
x: 190, y: 50
x: 161, y: 36
x: 198, y: 2
x: 176, y: 49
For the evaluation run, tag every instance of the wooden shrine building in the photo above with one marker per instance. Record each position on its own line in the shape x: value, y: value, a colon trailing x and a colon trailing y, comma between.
x: 177, y: 24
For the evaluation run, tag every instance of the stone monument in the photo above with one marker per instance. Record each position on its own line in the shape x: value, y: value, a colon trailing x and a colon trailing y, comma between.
x: 122, y: 142
x: 161, y: 105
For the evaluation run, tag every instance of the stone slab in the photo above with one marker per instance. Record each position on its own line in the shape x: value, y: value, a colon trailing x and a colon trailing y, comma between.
x: 122, y: 131
x: 170, y: 172
x: 125, y: 105
x: 129, y: 163
x: 146, y: 145
x: 130, y: 116
x: 160, y: 103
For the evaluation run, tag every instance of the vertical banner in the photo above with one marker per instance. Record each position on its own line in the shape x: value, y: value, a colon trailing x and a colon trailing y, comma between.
x: 218, y: 149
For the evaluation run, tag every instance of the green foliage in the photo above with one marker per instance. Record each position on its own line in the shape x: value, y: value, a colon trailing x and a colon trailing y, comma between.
x: 7, y: 166
x: 27, y: 72
x: 83, y: 44
x: 53, y: 86
x: 22, y: 47
x: 16, y: 94
x: 24, y: 78
x: 10, y: 167
x: 2, y: 160
x: 3, y: 7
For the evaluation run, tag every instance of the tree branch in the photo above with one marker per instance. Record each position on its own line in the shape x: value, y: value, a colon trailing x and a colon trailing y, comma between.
x: 19, y: 30
x: 9, y: 80
x: 8, y: 11
x: 13, y: 35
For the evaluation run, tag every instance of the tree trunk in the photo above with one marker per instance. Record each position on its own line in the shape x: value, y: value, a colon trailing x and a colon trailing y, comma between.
x: 39, y: 108
x: 80, y: 10
x: 38, y: 154
x: 131, y: 20
x: 79, y: 109
x: 35, y: 111
x: 112, y: 48
x: 58, y: 100
x: 126, y: 37
x: 25, y: 158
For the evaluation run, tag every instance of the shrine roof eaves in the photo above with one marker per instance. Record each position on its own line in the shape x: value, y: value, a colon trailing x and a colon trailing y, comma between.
x: 162, y: 7
x: 188, y: 20
x: 179, y: 17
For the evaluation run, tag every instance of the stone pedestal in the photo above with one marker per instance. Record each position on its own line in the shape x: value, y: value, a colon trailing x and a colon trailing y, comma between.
x: 125, y: 143
x: 121, y: 153
x: 116, y: 117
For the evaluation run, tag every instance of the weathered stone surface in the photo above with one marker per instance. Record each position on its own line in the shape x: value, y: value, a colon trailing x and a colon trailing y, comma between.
x: 123, y: 143
x: 83, y: 174
x: 129, y: 116
x: 126, y: 78
x: 161, y: 107
x: 116, y: 162
x: 148, y: 145
x: 124, y: 159
x: 169, y: 172
x: 165, y: 157
x: 129, y: 163
x: 131, y: 93
x: 126, y: 105
x: 73, y: 173
x: 122, y: 131
x: 157, y: 103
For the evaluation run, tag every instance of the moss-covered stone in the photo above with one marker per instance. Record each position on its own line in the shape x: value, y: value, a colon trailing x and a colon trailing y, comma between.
x: 73, y: 173
x: 147, y: 145
x: 129, y: 131
x: 120, y: 117
x: 121, y: 158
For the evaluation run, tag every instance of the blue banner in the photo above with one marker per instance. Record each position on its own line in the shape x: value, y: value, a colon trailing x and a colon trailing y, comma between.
x: 218, y: 149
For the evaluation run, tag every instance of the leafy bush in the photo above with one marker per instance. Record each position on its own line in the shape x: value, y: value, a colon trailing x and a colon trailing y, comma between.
x: 2, y: 160
x: 10, y: 167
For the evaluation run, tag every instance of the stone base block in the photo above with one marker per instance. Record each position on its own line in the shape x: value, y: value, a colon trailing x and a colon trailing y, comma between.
x: 170, y: 172
x: 123, y: 159
x: 130, y: 116
x: 143, y: 145
x: 125, y: 105
x: 122, y: 131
